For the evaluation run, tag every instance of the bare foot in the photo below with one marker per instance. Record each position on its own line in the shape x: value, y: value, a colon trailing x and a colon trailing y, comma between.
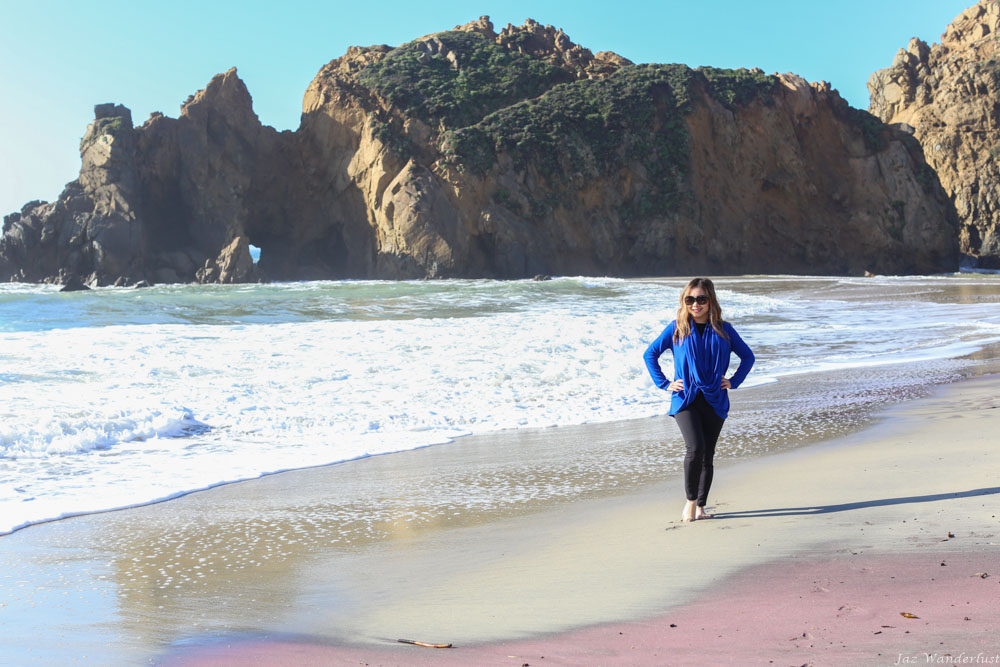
x: 689, y: 510
x: 700, y: 513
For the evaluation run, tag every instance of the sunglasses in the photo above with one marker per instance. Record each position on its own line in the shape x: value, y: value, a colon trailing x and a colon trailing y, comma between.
x: 701, y: 300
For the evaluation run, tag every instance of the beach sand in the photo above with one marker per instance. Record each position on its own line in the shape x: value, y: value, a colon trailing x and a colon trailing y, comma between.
x: 844, y: 609
x: 811, y: 558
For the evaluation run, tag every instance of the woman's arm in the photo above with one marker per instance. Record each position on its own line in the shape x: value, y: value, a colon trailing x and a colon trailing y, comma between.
x: 745, y: 354
x: 653, y: 352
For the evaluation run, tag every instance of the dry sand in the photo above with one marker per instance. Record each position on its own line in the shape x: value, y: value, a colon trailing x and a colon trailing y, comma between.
x: 811, y: 553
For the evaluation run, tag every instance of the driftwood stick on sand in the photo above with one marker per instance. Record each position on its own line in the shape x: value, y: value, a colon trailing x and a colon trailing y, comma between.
x: 416, y: 643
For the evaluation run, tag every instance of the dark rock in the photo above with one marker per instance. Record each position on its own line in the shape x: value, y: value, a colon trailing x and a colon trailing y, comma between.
x: 165, y: 275
x: 112, y: 110
x: 74, y: 284
x: 31, y: 205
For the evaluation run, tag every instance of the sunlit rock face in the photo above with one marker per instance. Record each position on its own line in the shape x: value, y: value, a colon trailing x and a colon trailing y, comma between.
x: 948, y: 95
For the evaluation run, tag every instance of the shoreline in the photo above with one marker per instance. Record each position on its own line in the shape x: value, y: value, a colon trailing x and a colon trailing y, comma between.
x: 814, y: 425
x: 488, y: 576
x: 241, y: 426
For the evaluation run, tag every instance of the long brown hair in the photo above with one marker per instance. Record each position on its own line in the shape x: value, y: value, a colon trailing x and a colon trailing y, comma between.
x: 683, y: 329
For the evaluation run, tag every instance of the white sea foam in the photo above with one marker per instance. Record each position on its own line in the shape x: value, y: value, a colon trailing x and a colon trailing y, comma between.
x: 114, y: 398
x: 83, y: 432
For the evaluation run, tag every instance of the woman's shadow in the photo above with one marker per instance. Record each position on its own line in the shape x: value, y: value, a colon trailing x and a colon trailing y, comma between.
x: 843, y: 507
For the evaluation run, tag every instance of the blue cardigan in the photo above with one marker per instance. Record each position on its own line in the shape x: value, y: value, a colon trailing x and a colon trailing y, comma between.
x: 701, y: 360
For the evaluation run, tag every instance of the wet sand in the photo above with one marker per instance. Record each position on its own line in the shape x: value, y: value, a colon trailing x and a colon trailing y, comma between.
x: 262, y: 571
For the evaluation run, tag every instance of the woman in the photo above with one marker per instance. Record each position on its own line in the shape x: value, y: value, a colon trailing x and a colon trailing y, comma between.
x: 701, y: 343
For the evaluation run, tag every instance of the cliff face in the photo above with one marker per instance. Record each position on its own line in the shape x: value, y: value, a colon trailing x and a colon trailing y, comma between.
x: 803, y: 182
x: 949, y: 94
x: 478, y: 153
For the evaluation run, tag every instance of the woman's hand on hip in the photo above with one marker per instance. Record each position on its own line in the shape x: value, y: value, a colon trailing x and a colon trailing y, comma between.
x: 676, y: 385
x: 725, y: 384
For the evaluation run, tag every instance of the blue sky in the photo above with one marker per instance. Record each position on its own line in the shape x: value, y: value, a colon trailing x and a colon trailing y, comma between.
x: 60, y: 58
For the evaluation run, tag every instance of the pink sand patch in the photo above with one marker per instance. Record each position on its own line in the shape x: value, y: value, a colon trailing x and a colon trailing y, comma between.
x: 844, y: 609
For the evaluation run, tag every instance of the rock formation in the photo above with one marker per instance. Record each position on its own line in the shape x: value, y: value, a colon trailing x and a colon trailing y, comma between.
x: 93, y: 226
x: 948, y: 96
x: 159, y: 202
x: 476, y: 153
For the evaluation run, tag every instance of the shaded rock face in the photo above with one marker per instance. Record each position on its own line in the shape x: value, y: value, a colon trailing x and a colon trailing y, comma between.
x: 797, y: 184
x: 93, y: 228
x: 948, y: 94
x: 155, y: 202
x: 503, y: 154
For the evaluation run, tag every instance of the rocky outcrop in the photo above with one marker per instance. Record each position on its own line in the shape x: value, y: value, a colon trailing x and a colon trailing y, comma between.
x: 499, y: 154
x: 553, y: 45
x: 93, y: 228
x: 640, y: 170
x: 948, y: 96
x: 156, y: 202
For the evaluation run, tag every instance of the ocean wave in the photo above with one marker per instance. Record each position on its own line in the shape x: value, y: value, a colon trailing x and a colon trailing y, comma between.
x: 82, y: 433
x: 135, y: 395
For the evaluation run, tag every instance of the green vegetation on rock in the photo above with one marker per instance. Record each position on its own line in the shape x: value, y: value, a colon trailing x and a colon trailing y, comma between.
x: 392, y: 138
x: 491, y: 101
x: 99, y: 128
x: 587, y: 126
x: 872, y: 129
x: 636, y: 113
x: 458, y: 78
x: 738, y: 87
x: 596, y: 126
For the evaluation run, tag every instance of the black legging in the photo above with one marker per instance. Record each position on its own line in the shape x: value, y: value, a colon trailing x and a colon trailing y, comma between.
x: 700, y: 426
